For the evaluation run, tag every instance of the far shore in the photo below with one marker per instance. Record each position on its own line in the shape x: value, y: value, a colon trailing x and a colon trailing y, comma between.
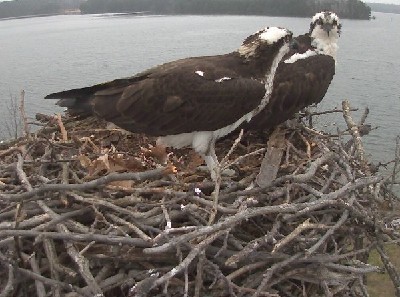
x: 77, y: 12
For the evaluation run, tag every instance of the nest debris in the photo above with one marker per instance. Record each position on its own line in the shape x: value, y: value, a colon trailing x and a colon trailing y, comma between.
x: 90, y: 211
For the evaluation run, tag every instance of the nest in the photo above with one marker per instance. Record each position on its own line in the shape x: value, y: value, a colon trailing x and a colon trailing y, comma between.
x: 88, y: 210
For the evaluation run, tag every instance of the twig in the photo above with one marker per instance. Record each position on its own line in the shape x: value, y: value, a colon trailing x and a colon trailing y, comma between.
x: 139, y: 176
x: 390, y: 268
x: 23, y: 115
x: 82, y: 263
x: 195, y: 251
x: 246, y: 269
x: 64, y: 133
x: 272, y: 159
x: 21, y: 174
x: 40, y: 290
x: 233, y: 147
x: 254, y: 245
x: 131, y: 226
x: 330, y: 232
x: 240, y: 159
x: 295, y: 233
x: 51, y: 282
x: 55, y: 266
x: 107, y: 239
x: 356, y: 136
x: 9, y: 287
x: 199, y: 274
x: 336, y: 110
x: 397, y: 162
x: 272, y: 270
x: 166, y: 215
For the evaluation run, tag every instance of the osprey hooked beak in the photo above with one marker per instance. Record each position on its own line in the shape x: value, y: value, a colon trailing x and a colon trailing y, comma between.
x: 327, y: 27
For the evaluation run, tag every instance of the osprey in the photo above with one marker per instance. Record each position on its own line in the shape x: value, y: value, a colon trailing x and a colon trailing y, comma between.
x: 192, y: 101
x: 304, y: 74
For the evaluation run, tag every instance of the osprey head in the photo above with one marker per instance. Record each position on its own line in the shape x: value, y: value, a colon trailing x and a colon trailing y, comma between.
x: 326, y: 21
x: 325, y: 29
x: 268, y: 40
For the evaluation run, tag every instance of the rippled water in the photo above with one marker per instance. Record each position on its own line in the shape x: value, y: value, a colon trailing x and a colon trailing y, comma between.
x: 48, y: 54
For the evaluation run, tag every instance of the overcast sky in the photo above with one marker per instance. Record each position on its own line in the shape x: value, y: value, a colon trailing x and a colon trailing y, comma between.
x: 384, y: 1
x: 372, y: 1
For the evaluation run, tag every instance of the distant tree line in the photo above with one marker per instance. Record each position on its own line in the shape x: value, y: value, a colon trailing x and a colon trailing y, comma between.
x: 19, y: 8
x: 354, y: 9
x: 380, y: 7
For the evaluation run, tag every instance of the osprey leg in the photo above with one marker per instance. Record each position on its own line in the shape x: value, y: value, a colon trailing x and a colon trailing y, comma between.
x: 212, y: 162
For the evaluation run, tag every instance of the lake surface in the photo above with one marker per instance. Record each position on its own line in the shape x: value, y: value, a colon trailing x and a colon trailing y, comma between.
x: 49, y: 54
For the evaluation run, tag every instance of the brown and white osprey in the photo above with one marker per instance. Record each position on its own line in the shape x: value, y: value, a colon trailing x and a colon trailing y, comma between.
x: 304, y: 75
x: 192, y: 101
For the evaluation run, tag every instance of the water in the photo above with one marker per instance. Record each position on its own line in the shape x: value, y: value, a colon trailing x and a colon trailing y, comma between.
x: 48, y: 54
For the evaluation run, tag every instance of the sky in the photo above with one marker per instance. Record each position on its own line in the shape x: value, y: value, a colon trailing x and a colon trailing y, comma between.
x: 372, y: 1
x: 384, y: 1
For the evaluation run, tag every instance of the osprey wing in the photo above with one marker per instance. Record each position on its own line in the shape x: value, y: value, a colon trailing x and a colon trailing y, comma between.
x: 296, y: 86
x: 197, y: 95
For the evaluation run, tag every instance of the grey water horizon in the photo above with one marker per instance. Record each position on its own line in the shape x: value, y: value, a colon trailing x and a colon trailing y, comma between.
x: 54, y: 53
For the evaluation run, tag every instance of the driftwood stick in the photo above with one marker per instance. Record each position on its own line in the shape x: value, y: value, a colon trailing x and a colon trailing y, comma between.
x: 240, y: 159
x: 27, y: 223
x: 23, y: 115
x: 272, y: 158
x: 11, y: 150
x: 9, y: 287
x: 336, y: 110
x: 356, y: 135
x: 272, y: 270
x: 40, y: 290
x: 215, y: 194
x: 396, y: 163
x: 356, y: 270
x: 295, y: 233
x: 101, y: 181
x: 52, y: 282
x: 55, y: 266
x: 218, y: 181
x: 195, y: 251
x: 131, y: 226
x: 61, y: 218
x: 208, y: 203
x: 82, y: 263
x: 60, y: 123
x: 224, y: 161
x: 199, y: 275
x: 390, y: 268
x: 220, y: 275
x: 253, y: 246
x: 25, y: 272
x: 364, y: 116
x: 107, y: 239
x: 100, y: 202
x: 21, y: 173
x: 329, y: 233
x: 246, y: 269
x: 362, y: 286
x: 166, y: 215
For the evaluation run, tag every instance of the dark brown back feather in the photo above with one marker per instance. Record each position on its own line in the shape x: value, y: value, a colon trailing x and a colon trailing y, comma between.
x: 296, y: 86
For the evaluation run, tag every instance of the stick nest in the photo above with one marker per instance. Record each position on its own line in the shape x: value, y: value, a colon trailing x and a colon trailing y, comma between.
x: 88, y: 210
